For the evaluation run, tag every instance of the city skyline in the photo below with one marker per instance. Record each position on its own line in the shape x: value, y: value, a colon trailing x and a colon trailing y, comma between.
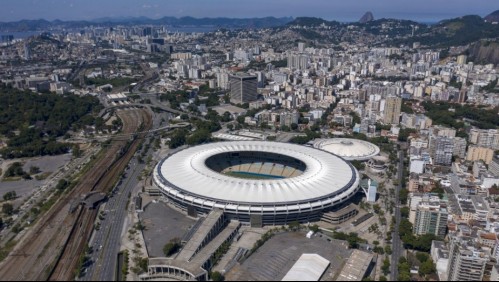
x: 330, y: 10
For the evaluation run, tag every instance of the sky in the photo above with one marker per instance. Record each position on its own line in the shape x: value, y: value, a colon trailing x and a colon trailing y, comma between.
x: 340, y: 10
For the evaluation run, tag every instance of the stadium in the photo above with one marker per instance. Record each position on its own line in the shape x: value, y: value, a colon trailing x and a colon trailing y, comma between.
x: 349, y: 149
x: 257, y: 182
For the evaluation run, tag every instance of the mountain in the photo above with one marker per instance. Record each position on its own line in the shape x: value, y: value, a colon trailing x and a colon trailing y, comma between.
x: 34, y: 25
x: 493, y: 17
x: 311, y: 21
x: 367, y: 17
x: 484, y: 52
x: 452, y: 32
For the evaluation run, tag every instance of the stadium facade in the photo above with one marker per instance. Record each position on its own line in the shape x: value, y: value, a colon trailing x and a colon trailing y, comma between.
x: 257, y: 182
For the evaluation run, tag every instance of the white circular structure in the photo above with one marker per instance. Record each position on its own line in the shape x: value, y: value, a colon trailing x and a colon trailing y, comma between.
x: 280, y: 182
x: 349, y: 149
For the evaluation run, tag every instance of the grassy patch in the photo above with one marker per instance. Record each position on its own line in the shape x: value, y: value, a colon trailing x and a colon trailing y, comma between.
x: 4, y: 252
x: 11, y: 179
x: 43, y: 176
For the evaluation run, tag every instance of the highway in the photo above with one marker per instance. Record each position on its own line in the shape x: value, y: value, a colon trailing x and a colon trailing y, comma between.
x: 396, y: 243
x: 106, y: 241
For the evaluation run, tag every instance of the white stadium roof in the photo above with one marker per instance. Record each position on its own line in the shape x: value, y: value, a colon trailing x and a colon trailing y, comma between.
x: 186, y: 175
x: 309, y: 267
x: 347, y: 148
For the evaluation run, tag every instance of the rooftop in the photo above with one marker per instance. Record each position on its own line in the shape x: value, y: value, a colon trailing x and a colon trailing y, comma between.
x: 349, y: 149
x: 356, y: 266
x: 309, y: 267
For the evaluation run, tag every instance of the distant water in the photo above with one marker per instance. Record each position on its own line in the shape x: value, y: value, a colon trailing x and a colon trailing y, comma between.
x: 200, y: 29
x: 21, y: 35
x: 197, y: 29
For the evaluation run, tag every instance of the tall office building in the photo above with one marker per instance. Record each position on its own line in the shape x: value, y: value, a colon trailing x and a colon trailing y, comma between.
x: 466, y: 263
x: 431, y: 218
x: 393, y: 105
x: 243, y: 88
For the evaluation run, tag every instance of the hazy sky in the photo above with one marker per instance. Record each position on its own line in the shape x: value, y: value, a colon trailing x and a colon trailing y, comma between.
x: 342, y: 10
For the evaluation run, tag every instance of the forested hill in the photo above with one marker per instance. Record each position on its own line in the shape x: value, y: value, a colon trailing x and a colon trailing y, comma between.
x: 32, y: 122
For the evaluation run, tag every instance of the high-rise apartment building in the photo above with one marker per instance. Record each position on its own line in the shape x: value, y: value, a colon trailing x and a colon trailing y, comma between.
x: 460, y: 147
x: 488, y: 138
x: 301, y: 47
x: 466, y: 262
x: 476, y: 153
x: 243, y: 88
x: 442, y: 149
x: 431, y: 218
x: 393, y: 105
x: 298, y: 61
x: 223, y: 80
x: 494, y: 166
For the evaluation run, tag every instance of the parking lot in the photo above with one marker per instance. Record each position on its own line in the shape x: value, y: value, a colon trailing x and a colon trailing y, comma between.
x: 276, y: 257
x: 23, y: 188
x: 162, y: 223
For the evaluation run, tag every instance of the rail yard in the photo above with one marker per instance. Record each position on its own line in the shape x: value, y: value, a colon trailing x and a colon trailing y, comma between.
x: 51, y: 249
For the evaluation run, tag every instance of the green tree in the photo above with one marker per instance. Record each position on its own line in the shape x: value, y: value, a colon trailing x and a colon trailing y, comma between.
x: 217, y: 276
x: 199, y: 137
x: 7, y: 209
x: 295, y: 225
x: 240, y: 119
x: 62, y: 184
x: 422, y: 257
x: 171, y: 247
x: 388, y: 250
x: 178, y: 138
x: 34, y: 170
x: 385, y: 268
x: 404, y: 212
x: 427, y: 268
x: 77, y: 152
x: 294, y: 126
x: 314, y: 228
x: 226, y: 117
x: 10, y: 195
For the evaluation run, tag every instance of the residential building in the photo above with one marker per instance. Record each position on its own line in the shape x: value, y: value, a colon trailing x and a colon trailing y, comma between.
x: 476, y: 153
x: 466, y: 262
x: 431, y: 218
x: 393, y: 105
x: 243, y: 88
x: 494, y: 165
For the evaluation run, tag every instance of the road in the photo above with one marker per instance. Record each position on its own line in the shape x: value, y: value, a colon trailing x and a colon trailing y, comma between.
x: 396, y: 243
x: 106, y: 241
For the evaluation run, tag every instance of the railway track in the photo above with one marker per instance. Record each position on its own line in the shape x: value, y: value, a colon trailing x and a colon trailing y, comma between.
x: 52, y: 248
